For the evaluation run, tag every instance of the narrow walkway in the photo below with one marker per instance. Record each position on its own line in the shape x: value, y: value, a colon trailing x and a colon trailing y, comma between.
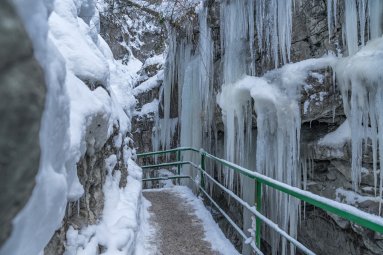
x: 180, y: 230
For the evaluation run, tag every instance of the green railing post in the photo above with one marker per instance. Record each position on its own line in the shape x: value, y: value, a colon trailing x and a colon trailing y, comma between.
x: 202, y: 181
x: 179, y: 166
x: 259, y: 208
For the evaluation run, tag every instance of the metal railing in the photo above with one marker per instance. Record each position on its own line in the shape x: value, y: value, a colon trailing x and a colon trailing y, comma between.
x: 372, y: 222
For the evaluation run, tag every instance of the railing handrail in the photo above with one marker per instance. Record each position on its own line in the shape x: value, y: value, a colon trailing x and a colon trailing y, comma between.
x: 370, y: 221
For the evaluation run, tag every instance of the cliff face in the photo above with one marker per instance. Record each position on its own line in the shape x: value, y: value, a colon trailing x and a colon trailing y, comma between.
x: 23, y: 92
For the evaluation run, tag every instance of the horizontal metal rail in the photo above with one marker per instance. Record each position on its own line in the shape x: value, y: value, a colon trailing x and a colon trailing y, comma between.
x: 177, y: 163
x: 141, y: 155
x: 164, y: 178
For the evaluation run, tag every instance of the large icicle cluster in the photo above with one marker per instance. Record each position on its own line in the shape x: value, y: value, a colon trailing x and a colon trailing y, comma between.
x: 189, y: 71
x: 360, y: 80
x: 276, y: 97
x: 361, y: 16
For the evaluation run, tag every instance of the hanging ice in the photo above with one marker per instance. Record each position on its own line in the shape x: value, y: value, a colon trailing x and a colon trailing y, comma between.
x: 278, y: 125
x: 366, y: 15
x: 362, y: 92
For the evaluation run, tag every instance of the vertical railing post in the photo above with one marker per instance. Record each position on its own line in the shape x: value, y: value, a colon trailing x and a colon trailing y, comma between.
x: 179, y: 166
x: 259, y: 208
x: 202, y: 181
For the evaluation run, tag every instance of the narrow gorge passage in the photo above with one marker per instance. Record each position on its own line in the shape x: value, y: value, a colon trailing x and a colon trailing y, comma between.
x: 228, y: 97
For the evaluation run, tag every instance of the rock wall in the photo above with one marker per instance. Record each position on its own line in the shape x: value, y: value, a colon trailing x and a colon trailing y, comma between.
x: 135, y: 31
x: 92, y: 171
x: 92, y: 124
x: 22, y: 93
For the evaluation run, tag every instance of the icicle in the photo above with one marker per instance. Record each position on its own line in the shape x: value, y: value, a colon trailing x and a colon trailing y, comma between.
x: 335, y: 12
x: 375, y: 8
x: 329, y: 17
x: 362, y: 19
x: 260, y: 16
x: 351, y: 26
x: 251, y: 20
x: 284, y: 28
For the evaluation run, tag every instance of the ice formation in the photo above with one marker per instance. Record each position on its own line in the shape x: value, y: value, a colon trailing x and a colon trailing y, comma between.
x: 278, y: 125
x: 362, y: 92
x: 361, y: 16
x: 360, y: 84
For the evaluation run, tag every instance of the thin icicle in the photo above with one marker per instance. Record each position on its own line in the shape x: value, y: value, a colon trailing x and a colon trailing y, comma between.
x: 375, y: 8
x: 351, y: 27
x: 329, y: 17
x: 362, y: 20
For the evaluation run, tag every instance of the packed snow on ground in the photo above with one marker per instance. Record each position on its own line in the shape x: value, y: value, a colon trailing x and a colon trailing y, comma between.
x: 146, y: 241
x: 213, y: 234
x: 67, y: 44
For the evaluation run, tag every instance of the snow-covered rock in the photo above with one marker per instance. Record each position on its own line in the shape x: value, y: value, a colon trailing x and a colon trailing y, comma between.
x: 85, y: 146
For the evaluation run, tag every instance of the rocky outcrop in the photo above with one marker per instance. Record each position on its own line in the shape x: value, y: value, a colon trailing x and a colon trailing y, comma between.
x: 92, y: 171
x: 134, y: 30
x: 22, y: 90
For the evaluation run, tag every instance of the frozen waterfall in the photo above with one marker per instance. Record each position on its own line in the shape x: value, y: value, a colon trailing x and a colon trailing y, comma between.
x: 261, y: 115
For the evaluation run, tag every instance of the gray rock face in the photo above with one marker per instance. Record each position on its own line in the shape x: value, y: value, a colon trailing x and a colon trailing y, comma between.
x: 22, y: 90
x: 144, y: 37
x: 91, y: 170
x: 129, y: 28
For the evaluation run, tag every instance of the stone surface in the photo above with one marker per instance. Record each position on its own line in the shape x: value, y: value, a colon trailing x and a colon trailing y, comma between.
x: 91, y: 170
x: 129, y: 30
x: 329, y: 237
x: 22, y: 90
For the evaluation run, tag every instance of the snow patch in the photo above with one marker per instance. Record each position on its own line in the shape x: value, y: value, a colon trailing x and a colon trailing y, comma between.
x: 148, y: 108
x: 337, y: 138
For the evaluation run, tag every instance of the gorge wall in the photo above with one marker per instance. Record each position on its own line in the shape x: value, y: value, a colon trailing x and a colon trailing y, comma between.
x: 318, y: 28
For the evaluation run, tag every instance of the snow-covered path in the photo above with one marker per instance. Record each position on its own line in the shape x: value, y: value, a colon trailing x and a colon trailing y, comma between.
x: 184, y: 226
